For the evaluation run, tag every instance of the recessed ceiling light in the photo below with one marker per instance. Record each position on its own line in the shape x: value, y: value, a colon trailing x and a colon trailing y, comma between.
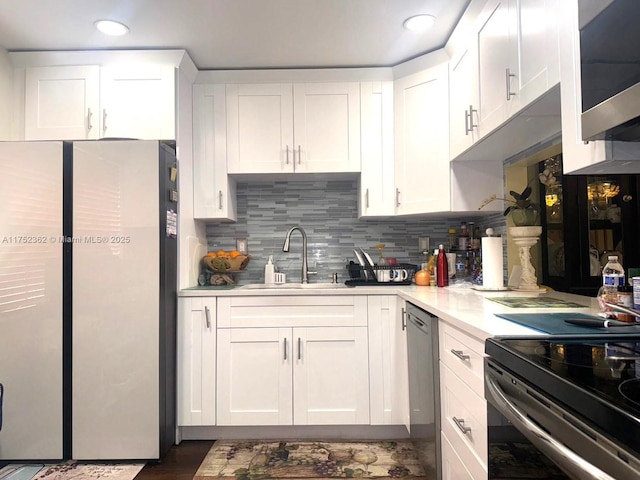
x: 111, y: 27
x: 419, y: 23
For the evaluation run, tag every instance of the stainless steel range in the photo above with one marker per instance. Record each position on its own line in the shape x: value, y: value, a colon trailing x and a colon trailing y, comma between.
x: 575, y: 399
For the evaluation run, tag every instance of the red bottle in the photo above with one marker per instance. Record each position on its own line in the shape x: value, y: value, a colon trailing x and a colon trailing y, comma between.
x: 443, y: 268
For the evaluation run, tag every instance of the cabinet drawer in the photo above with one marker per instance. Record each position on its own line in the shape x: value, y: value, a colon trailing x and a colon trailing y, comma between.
x: 462, y: 409
x: 464, y: 355
x: 293, y: 311
x: 453, y: 468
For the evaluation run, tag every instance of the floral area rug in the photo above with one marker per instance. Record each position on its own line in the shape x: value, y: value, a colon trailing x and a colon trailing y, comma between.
x: 253, y: 460
x: 71, y: 471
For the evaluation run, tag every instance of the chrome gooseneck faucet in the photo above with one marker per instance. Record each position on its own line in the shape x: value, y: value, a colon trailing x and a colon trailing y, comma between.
x: 285, y: 248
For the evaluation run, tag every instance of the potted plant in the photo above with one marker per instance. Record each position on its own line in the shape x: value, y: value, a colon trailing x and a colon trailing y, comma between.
x: 521, y: 209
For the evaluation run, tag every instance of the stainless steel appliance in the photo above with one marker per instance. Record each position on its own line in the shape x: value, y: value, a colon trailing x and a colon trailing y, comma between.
x: 87, y: 299
x: 610, y: 69
x: 424, y: 391
x: 572, y: 405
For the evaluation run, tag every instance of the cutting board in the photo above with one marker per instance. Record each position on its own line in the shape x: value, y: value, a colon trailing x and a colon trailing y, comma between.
x: 554, y: 324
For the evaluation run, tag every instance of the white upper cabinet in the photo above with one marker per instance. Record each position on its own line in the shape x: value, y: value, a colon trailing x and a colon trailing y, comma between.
x: 509, y: 61
x: 463, y: 100
x: 214, y: 193
x: 376, y: 188
x: 62, y: 103
x: 138, y: 101
x: 534, y: 57
x: 293, y: 128
x: 494, y: 73
x: 422, y: 142
x: 91, y: 102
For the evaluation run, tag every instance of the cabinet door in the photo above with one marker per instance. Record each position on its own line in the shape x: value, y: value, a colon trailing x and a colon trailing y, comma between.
x: 494, y: 80
x: 214, y: 193
x: 376, y: 194
x: 534, y: 49
x: 422, y: 142
x: 452, y: 467
x: 254, y: 376
x: 260, y: 128
x: 197, y: 361
x: 463, y: 100
x: 62, y: 103
x: 330, y: 376
x: 388, y: 369
x: 326, y: 127
x: 138, y: 101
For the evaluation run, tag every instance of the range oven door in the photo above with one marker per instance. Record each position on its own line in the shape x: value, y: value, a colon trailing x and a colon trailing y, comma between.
x: 552, y: 430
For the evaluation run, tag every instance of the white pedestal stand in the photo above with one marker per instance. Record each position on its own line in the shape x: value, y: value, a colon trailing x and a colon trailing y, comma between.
x: 525, y: 238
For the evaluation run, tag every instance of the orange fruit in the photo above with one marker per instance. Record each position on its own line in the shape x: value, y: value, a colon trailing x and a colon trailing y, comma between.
x: 234, y: 254
x: 221, y: 253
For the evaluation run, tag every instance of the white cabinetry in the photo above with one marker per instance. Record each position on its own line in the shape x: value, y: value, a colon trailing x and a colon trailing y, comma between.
x: 499, y: 76
x: 214, y: 193
x: 196, y: 361
x: 463, y: 408
x: 293, y: 128
x: 90, y: 102
x: 421, y: 142
x: 303, y: 361
x: 388, y: 369
x: 595, y: 157
x: 376, y: 194
x: 62, y: 103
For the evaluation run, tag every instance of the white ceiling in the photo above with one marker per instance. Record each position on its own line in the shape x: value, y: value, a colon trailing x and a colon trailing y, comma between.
x: 237, y: 34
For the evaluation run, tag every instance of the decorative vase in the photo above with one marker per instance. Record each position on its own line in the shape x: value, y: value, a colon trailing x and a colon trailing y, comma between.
x: 524, y: 217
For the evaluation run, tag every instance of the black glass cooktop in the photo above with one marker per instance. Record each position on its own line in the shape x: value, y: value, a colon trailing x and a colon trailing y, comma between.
x: 596, y: 377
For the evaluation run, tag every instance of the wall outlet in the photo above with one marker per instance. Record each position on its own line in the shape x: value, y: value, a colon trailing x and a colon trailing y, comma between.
x: 241, y: 245
x: 423, y: 245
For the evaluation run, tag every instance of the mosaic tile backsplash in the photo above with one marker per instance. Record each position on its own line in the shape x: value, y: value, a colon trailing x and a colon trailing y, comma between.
x: 328, y: 212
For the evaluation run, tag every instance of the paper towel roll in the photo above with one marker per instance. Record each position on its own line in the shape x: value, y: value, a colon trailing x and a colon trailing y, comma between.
x: 492, y: 262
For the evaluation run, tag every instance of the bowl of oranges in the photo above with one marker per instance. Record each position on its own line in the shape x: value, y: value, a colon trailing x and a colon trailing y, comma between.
x: 226, y: 261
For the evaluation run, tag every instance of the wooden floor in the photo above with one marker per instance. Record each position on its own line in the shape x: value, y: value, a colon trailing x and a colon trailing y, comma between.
x: 181, y: 463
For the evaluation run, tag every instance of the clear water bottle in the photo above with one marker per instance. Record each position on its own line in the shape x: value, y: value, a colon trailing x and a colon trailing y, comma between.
x: 613, y: 273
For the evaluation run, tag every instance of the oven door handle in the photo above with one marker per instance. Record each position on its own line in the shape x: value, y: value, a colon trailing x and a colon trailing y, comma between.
x: 572, y: 464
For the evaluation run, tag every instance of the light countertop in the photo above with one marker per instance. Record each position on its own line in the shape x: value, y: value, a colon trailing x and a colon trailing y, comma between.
x: 465, y: 308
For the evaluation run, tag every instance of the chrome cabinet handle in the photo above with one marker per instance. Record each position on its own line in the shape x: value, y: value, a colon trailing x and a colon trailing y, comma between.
x: 460, y: 424
x: 404, y: 318
x: 104, y: 120
x: 299, y: 156
x: 207, y: 317
x: 285, y: 348
x: 219, y: 199
x: 468, y: 120
x: 366, y: 196
x: 89, y: 115
x: 287, y: 155
x: 397, y: 197
x: 299, y: 348
x: 572, y: 463
x: 460, y: 354
x: 508, y: 76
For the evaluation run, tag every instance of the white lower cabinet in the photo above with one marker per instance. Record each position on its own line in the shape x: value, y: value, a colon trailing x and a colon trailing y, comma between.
x: 196, y: 361
x: 452, y: 466
x: 299, y: 360
x: 463, y: 407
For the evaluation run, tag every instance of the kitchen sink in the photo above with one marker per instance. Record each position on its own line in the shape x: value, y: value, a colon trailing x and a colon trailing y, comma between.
x: 292, y: 286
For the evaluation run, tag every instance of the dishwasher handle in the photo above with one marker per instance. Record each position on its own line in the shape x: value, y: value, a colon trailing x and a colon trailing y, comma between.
x: 565, y: 458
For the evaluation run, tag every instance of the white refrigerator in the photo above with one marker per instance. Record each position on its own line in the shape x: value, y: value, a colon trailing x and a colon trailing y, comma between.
x: 87, y: 299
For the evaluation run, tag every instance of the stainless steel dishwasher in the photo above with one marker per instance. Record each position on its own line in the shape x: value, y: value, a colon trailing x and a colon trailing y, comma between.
x: 424, y: 388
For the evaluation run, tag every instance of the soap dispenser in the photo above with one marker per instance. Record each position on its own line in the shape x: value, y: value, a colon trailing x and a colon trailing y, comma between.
x: 269, y: 271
